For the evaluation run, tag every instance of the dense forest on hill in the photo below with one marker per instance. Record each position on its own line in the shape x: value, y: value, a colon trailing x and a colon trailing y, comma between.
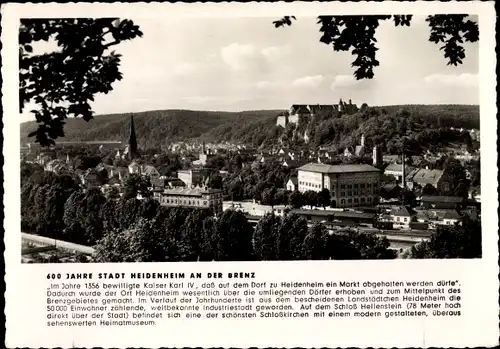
x: 154, y: 128
x: 424, y: 124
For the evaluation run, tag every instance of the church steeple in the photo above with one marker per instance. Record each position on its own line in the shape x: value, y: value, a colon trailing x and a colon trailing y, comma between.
x: 132, y: 140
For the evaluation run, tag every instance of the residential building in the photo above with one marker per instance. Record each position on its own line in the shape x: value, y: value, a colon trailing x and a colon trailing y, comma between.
x: 396, y: 170
x: 134, y: 168
x: 388, y: 158
x: 151, y: 172
x: 173, y: 182
x: 286, y: 153
x: 57, y: 166
x: 282, y: 120
x: 348, y: 152
x: 349, y: 185
x: 390, y: 191
x: 402, y: 217
x: 191, y: 178
x: 203, y: 198
x: 424, y: 176
x: 292, y: 184
x: 360, y: 148
x: 254, y: 209
x: 451, y: 217
x: 91, y: 179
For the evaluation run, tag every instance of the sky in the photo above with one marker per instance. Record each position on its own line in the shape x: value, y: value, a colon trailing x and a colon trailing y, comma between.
x: 247, y: 64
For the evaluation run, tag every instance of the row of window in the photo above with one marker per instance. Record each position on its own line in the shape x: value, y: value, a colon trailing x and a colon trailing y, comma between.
x: 185, y: 202
x: 309, y: 184
x: 355, y: 200
x: 342, y: 186
x: 357, y: 193
x: 358, y: 185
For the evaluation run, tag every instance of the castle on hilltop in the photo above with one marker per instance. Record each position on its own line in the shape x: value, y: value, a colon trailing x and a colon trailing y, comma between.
x: 298, y: 112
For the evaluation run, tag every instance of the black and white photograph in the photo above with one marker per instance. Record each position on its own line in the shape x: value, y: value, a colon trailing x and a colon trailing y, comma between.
x: 334, y: 137
x: 325, y: 167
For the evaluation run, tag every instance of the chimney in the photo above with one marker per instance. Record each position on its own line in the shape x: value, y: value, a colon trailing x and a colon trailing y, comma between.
x: 375, y: 156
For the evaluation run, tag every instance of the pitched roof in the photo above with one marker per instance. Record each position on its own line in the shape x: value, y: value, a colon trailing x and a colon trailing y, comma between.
x: 425, y: 176
x: 395, y: 167
x: 300, y: 108
x: 189, y: 192
x: 294, y: 180
x: 148, y: 169
x: 402, y: 211
x: 321, y: 107
x: 452, y: 214
x: 391, y: 186
x: 334, y: 214
x: 442, y: 199
x: 323, y: 168
x: 359, y: 149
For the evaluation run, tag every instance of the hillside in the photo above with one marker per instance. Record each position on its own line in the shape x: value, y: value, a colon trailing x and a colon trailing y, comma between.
x: 155, y: 128
x: 379, y: 124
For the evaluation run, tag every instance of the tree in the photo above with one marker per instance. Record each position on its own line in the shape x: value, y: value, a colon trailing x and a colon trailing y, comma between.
x: 281, y: 197
x: 323, y: 198
x: 233, y: 237
x: 357, y: 33
x: 269, y: 196
x: 459, y: 241
x: 142, y: 242
x: 291, y: 234
x: 428, y: 189
x: 82, y: 217
x: 191, y: 237
x: 455, y: 173
x: 136, y: 184
x: 351, y: 244
x: 296, y: 199
x: 84, y: 162
x: 63, y: 83
x: 315, y: 247
x: 462, y: 190
x: 215, y: 181
x: 127, y: 212
x: 265, y: 237
x: 311, y: 198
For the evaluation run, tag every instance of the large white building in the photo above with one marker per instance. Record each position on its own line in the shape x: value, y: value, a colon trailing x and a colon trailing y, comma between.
x: 203, y: 198
x: 349, y: 185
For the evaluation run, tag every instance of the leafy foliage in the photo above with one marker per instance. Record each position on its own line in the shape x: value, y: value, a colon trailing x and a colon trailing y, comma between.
x: 143, y: 242
x: 64, y: 82
x: 459, y: 241
x: 357, y: 34
x: 232, y: 235
x: 136, y: 184
x: 265, y: 237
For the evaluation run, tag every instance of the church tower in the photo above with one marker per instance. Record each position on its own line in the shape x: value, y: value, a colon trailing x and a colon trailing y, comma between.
x: 132, y: 140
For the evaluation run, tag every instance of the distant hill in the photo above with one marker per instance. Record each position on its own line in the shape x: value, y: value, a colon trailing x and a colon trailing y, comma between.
x: 160, y: 127
x: 155, y: 128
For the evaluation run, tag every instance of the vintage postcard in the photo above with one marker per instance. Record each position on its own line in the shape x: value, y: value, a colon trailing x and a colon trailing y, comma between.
x: 250, y: 175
